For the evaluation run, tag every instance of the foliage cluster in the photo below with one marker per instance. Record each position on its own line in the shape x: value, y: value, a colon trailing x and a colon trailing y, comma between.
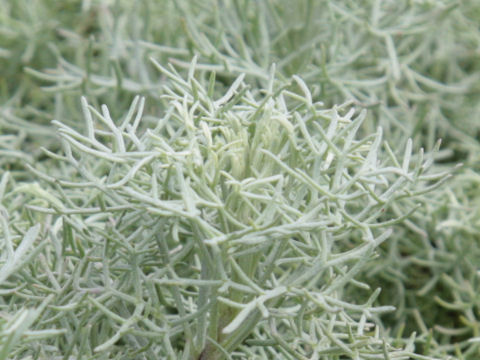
x: 239, y: 179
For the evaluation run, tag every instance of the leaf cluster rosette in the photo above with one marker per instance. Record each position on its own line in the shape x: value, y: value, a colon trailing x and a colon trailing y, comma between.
x: 230, y: 223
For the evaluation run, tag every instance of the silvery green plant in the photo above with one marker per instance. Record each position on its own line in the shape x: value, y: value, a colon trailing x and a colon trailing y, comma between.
x: 372, y: 53
x: 229, y: 227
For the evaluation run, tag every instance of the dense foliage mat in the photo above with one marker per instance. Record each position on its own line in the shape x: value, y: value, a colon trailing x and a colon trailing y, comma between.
x: 239, y: 179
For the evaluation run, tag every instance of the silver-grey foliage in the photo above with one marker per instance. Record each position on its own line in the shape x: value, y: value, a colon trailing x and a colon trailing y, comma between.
x: 230, y: 226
